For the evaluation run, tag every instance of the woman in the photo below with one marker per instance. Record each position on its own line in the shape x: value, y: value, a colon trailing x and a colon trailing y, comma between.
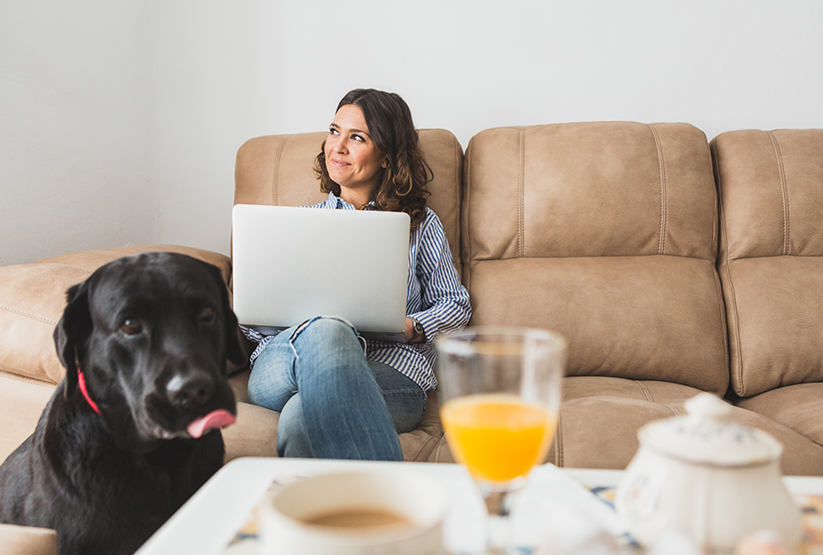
x: 338, y: 395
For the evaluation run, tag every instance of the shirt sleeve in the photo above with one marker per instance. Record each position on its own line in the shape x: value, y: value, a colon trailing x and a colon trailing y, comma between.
x: 251, y: 334
x: 445, y: 302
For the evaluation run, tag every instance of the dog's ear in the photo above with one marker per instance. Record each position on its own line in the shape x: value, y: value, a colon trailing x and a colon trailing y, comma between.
x: 234, y: 350
x: 72, y: 332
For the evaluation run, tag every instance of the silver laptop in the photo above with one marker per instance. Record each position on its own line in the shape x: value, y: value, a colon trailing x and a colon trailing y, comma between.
x: 291, y: 264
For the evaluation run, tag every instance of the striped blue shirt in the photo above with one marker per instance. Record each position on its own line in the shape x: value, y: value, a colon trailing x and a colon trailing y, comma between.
x: 435, y: 298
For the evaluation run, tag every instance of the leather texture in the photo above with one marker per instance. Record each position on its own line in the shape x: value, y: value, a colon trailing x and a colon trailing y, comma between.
x: 27, y: 540
x: 21, y: 402
x: 797, y: 407
x: 771, y: 255
x: 604, y: 232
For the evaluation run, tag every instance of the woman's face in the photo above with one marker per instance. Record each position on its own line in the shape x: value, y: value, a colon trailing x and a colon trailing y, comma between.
x: 352, y: 159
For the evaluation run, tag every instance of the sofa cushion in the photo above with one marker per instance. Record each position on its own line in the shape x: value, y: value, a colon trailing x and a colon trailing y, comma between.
x: 419, y: 444
x: 255, y: 433
x: 798, y: 407
x: 639, y: 317
x: 33, y: 296
x: 800, y: 456
x: 28, y: 540
x: 600, y: 418
x: 600, y: 431
x: 23, y: 401
x: 606, y: 233
x: 771, y: 255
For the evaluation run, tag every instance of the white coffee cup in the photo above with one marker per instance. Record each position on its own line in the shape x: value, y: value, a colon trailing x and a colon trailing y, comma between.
x: 356, y: 513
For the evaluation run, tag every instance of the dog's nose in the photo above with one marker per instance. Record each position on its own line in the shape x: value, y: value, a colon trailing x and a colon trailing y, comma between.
x: 189, y: 391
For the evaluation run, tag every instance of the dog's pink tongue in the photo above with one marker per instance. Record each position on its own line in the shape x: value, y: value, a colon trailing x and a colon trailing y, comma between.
x: 215, y: 419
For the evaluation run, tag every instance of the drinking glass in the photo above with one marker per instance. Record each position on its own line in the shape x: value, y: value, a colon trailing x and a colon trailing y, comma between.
x: 501, y: 393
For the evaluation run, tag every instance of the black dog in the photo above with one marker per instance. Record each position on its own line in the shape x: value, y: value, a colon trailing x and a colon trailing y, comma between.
x: 122, y: 444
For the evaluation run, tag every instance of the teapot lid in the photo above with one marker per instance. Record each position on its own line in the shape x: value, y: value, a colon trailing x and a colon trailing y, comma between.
x: 708, y: 436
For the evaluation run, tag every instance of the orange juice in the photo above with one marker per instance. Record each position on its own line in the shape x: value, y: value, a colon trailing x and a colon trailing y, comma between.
x: 498, y: 437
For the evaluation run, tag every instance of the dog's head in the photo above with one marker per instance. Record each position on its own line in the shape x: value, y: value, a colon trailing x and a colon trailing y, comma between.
x: 148, y: 337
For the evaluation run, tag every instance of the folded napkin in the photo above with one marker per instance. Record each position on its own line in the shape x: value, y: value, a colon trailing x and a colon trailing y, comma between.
x: 550, y: 500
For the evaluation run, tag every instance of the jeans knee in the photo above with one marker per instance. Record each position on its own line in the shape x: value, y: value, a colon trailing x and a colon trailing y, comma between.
x: 328, y: 336
x: 326, y: 329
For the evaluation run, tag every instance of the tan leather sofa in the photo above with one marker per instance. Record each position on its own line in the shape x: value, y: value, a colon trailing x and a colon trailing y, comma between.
x: 672, y: 265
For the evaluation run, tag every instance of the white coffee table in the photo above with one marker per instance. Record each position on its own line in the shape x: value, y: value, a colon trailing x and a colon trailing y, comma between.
x: 210, y: 519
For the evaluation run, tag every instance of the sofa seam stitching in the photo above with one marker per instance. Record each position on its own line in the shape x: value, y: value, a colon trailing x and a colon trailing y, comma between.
x: 9, y: 375
x: 27, y: 315
x: 434, y: 456
x: 273, y: 199
x: 420, y: 449
x: 465, y: 231
x: 64, y: 265
x: 661, y: 161
x: 784, y: 193
x: 674, y: 410
x: 645, y: 390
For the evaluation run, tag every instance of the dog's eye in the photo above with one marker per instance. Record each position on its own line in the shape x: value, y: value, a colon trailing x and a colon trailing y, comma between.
x: 131, y: 326
x: 207, y: 315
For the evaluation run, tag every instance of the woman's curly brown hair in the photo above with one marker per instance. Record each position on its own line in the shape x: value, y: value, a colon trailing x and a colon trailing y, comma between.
x: 402, y: 183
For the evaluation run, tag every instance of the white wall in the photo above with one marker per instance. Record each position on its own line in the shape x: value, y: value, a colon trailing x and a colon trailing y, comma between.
x: 73, y: 128
x: 185, y: 82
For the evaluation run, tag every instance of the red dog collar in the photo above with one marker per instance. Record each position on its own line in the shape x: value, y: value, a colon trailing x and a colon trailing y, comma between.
x: 81, y: 381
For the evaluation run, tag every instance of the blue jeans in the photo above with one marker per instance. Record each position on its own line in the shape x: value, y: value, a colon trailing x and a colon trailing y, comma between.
x: 333, y: 403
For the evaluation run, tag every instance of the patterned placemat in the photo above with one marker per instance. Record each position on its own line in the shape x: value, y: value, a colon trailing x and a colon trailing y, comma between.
x: 246, y: 541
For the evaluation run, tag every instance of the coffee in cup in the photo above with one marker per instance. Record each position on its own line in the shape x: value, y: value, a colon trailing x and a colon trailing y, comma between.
x: 356, y: 513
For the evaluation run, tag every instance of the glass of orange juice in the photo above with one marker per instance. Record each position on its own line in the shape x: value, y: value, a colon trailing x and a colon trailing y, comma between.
x: 501, y: 393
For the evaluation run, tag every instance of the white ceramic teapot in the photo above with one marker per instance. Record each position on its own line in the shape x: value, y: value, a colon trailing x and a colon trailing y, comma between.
x: 713, y: 479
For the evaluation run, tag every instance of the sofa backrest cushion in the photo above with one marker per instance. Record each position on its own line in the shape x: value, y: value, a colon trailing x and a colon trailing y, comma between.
x: 279, y: 170
x: 771, y: 255
x: 606, y: 233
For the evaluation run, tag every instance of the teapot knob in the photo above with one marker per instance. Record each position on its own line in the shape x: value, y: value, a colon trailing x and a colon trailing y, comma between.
x: 710, y: 407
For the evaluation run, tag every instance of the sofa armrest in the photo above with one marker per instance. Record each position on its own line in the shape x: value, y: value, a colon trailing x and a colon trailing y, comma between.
x: 27, y: 540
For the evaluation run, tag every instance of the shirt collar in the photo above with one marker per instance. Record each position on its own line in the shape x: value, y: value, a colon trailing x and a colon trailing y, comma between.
x: 337, y: 203
x: 340, y: 204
